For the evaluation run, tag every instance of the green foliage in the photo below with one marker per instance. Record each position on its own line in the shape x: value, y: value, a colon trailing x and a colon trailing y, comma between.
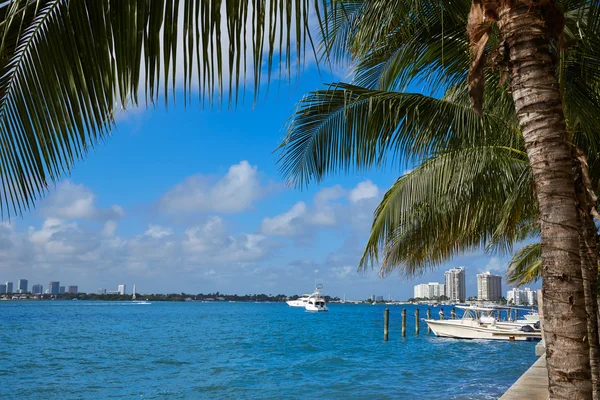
x: 68, y: 66
x: 473, y: 184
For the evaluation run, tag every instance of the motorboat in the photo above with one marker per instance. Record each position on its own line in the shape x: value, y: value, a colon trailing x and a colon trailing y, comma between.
x: 299, y: 302
x: 479, y: 323
x: 316, y: 304
x: 532, y: 316
x: 303, y: 300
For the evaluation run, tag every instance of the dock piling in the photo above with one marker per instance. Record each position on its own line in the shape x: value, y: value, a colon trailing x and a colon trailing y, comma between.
x: 453, y: 313
x: 428, y: 317
x: 417, y: 321
x: 386, y: 323
x: 404, y: 322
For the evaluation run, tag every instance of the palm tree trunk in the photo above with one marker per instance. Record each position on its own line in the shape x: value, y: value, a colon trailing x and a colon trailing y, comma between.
x: 539, y: 109
x: 589, y: 261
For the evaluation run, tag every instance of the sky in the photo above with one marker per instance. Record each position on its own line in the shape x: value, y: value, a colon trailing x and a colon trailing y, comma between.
x: 190, y: 199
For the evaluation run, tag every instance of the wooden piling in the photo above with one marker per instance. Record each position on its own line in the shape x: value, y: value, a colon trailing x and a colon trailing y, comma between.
x: 386, y: 323
x: 453, y: 313
x: 428, y: 317
x: 417, y: 321
x: 404, y: 322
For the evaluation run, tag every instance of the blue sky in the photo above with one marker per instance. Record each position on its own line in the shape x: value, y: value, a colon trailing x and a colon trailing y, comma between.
x: 190, y: 200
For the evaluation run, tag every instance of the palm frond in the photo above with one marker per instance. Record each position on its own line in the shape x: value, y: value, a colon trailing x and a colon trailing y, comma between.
x: 452, y: 203
x: 66, y: 66
x: 351, y: 127
x: 525, y: 267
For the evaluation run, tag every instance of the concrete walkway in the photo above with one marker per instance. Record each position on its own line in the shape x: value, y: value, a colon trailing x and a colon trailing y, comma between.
x: 532, y: 385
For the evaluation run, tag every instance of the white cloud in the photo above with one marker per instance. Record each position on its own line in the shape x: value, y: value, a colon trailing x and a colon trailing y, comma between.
x: 364, y: 190
x: 286, y: 224
x: 236, y: 191
x: 331, y: 207
x: 495, y: 266
x: 72, y: 201
x: 156, y: 231
x: 110, y: 227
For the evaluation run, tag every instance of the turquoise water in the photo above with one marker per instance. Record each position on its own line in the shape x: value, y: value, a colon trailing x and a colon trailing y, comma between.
x: 98, y: 350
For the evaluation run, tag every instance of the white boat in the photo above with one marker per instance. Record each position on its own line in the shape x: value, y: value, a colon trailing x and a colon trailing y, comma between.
x: 303, y: 300
x: 316, y: 302
x: 471, y: 326
x: 532, y: 316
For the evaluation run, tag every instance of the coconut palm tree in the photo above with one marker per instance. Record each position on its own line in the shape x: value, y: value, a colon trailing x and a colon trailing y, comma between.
x: 357, y: 126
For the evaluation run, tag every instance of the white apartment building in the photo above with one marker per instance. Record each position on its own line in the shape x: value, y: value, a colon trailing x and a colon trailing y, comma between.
x: 456, y: 288
x: 489, y: 286
x: 121, y: 289
x: 429, y: 290
x: 524, y: 296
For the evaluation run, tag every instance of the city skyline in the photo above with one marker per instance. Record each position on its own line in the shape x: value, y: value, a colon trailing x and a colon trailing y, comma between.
x: 121, y: 288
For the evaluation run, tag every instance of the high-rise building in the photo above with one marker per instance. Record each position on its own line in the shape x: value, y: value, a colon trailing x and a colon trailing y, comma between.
x: 429, y: 290
x: 22, y: 286
x: 53, y: 287
x: 2, y: 288
x: 37, y: 289
x: 121, y: 289
x: 101, y: 291
x: 61, y: 289
x: 72, y: 289
x: 9, y: 287
x: 456, y: 288
x: 489, y: 286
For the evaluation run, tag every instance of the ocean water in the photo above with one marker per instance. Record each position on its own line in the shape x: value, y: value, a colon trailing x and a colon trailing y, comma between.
x: 193, y: 350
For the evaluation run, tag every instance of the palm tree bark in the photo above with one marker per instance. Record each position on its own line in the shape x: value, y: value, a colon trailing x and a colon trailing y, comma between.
x: 589, y: 260
x: 538, y: 105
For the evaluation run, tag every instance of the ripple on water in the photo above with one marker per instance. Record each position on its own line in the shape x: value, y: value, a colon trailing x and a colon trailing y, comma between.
x: 93, y: 350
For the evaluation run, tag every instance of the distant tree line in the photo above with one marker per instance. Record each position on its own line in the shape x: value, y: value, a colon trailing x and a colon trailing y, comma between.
x: 174, y: 297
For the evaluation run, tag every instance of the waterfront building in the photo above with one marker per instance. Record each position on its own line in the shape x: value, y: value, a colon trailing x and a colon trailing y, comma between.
x: 37, y: 289
x: 489, y: 286
x: 72, y: 289
x: 429, y: 290
x: 377, y: 298
x: 61, y: 289
x: 456, y: 288
x: 122, y: 289
x: 101, y: 291
x: 9, y: 287
x: 2, y: 288
x: 522, y: 297
x: 115, y: 292
x: 53, y: 287
x: 22, y: 286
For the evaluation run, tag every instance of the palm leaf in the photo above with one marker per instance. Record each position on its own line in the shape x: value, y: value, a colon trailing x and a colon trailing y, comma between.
x: 451, y: 204
x: 66, y: 66
x: 525, y: 267
x: 351, y: 127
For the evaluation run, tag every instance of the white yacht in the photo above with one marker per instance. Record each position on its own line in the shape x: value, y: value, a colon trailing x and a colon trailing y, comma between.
x: 472, y: 326
x: 303, y: 300
x: 316, y: 304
